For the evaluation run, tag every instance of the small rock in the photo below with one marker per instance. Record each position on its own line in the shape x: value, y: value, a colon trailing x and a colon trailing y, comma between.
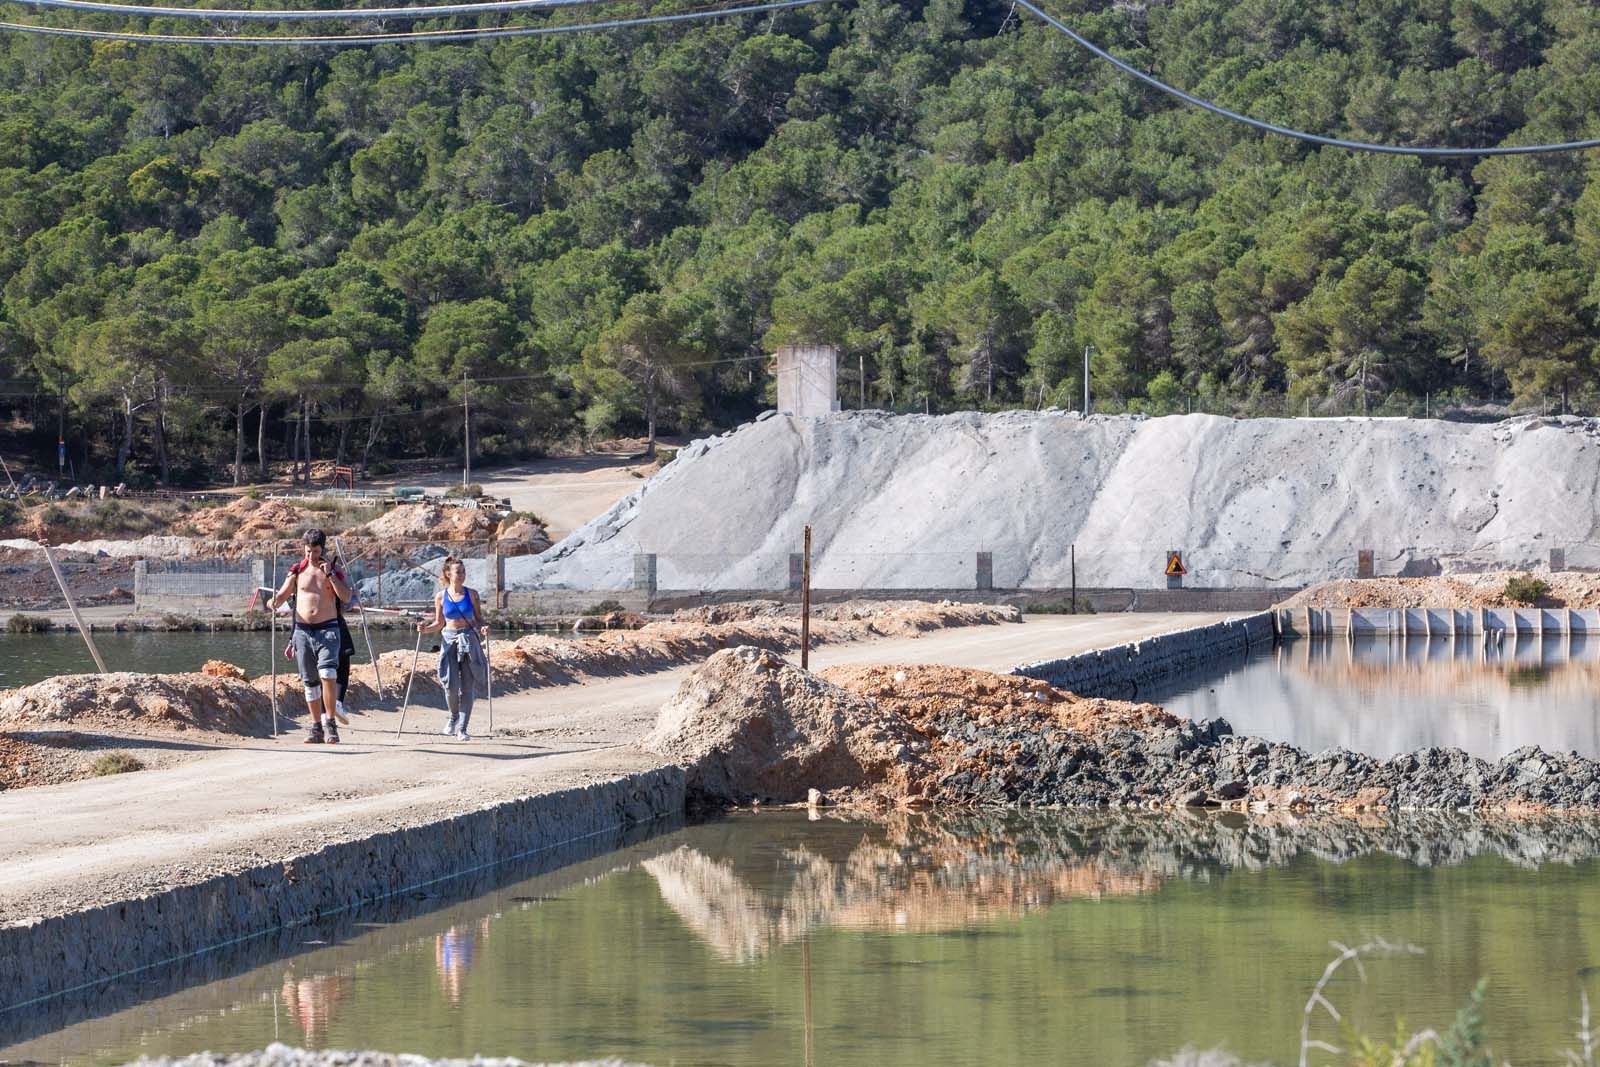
x: 1195, y: 798
x: 816, y: 798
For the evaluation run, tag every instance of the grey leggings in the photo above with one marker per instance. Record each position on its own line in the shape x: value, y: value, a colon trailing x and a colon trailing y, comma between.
x: 458, y: 698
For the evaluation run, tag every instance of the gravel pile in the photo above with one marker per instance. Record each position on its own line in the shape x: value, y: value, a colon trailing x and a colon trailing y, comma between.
x: 1205, y: 764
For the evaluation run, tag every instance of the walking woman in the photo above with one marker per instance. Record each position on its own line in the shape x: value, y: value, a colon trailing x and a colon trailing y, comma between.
x: 463, y: 668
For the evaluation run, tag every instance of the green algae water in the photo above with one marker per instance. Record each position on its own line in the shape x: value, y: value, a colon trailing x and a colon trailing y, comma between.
x: 1058, y: 937
x: 31, y: 658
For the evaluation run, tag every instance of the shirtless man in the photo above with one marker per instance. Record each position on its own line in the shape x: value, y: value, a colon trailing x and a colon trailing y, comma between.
x: 317, y: 588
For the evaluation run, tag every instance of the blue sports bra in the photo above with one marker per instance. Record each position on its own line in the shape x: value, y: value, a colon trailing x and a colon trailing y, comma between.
x: 458, y: 610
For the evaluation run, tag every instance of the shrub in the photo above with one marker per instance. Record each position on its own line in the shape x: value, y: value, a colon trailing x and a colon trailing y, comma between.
x: 115, y: 763
x: 1058, y: 607
x: 471, y: 492
x: 605, y: 607
x: 1526, y: 589
x: 10, y: 513
x: 28, y: 624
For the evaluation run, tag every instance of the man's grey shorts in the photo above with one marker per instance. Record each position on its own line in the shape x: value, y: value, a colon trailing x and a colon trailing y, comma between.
x: 316, y: 652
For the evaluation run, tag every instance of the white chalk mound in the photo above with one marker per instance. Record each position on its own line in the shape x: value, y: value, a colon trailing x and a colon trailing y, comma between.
x: 908, y: 501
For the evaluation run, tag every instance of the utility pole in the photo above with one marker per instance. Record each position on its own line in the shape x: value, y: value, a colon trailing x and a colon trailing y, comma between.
x: 466, y: 434
x: 805, y: 605
x: 1086, y: 379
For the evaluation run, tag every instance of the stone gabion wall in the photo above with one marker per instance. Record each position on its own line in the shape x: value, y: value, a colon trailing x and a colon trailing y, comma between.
x: 54, y: 955
x: 1115, y: 671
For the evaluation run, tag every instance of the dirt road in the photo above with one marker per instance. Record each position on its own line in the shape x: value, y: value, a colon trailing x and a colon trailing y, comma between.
x: 564, y: 491
x: 84, y: 843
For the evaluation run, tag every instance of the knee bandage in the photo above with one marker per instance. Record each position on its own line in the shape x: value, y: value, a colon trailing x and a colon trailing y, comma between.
x: 313, y: 694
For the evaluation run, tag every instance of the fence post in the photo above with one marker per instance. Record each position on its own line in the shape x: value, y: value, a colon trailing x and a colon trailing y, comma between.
x: 497, y: 573
x: 141, y: 571
x: 985, y: 576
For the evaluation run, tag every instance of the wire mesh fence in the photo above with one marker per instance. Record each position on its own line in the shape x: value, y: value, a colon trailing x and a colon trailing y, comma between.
x: 218, y: 577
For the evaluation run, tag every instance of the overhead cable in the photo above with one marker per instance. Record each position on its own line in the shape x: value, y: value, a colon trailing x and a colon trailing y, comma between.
x: 291, y: 15
x: 1301, y: 135
x: 407, y: 37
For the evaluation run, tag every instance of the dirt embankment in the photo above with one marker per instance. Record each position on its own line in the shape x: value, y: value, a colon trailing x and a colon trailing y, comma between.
x: 56, y: 730
x: 748, y: 727
x: 53, y: 729
x: 1486, y: 590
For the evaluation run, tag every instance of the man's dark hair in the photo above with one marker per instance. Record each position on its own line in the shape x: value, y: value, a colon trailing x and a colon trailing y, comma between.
x: 315, y: 538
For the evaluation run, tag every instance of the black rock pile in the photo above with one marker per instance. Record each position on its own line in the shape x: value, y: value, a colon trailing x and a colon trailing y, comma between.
x: 1206, y: 764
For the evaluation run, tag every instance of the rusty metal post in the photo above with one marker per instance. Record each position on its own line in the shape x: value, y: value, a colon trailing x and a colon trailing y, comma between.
x: 805, y: 605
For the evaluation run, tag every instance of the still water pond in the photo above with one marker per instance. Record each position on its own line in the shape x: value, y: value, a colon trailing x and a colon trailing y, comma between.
x: 29, y: 658
x: 1383, y: 697
x: 1036, y: 938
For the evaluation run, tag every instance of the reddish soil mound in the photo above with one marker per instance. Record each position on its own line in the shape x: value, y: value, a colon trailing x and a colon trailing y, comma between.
x: 921, y: 693
x: 1486, y: 590
x: 431, y: 522
x: 244, y: 519
x: 217, y: 668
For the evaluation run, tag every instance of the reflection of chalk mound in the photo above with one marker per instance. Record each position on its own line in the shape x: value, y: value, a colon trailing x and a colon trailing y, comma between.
x: 921, y: 874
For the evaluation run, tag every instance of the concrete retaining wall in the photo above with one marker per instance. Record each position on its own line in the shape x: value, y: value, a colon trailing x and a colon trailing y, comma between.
x: 61, y: 954
x: 1436, y: 622
x: 1114, y: 671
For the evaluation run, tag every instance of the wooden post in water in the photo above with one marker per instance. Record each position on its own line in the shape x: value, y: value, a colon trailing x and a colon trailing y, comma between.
x: 67, y: 594
x: 805, y: 605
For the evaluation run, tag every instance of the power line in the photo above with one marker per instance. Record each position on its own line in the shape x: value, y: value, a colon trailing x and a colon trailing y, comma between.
x: 410, y: 37
x: 1300, y: 135
x: 291, y: 15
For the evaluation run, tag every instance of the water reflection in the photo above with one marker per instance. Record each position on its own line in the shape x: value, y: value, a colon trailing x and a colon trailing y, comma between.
x: 930, y: 874
x: 310, y: 1002
x: 934, y: 939
x: 453, y: 952
x: 1385, y: 696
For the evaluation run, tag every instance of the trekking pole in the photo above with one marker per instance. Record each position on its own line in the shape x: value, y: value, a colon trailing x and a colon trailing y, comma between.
x: 272, y: 627
x: 272, y: 654
x: 488, y: 674
x: 366, y: 630
x: 416, y: 655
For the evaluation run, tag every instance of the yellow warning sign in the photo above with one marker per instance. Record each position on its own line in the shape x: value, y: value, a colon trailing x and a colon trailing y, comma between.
x: 1175, y: 567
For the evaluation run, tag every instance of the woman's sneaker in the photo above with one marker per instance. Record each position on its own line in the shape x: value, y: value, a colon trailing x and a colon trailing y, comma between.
x: 333, y: 732
x: 462, y: 734
x: 314, y: 735
x: 449, y: 730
